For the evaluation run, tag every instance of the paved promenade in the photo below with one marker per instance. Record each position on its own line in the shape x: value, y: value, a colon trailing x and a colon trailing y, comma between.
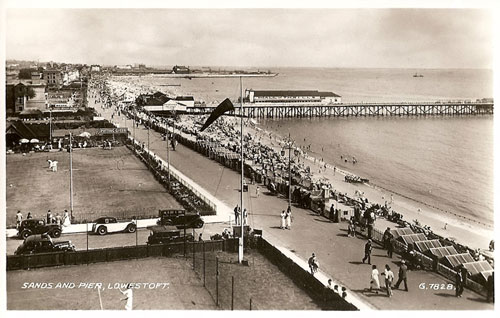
x: 339, y: 256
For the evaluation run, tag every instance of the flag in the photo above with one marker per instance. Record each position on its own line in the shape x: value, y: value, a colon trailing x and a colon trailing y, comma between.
x: 223, y: 107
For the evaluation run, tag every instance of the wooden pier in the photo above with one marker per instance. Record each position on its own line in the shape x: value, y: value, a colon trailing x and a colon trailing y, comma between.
x: 356, y: 110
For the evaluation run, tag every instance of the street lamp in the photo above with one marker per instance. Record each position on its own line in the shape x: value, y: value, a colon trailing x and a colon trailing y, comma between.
x: 289, y: 146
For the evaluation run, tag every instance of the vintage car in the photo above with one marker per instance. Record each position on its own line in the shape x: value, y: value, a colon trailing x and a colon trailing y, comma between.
x: 38, y: 226
x: 43, y: 244
x: 164, y: 234
x: 180, y: 219
x: 108, y: 224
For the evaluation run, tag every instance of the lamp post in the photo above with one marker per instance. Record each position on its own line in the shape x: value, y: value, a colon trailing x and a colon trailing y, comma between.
x: 289, y: 147
x: 240, y: 249
x: 71, y: 176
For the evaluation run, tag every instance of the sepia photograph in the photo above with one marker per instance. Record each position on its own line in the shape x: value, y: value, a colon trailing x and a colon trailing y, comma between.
x: 160, y: 156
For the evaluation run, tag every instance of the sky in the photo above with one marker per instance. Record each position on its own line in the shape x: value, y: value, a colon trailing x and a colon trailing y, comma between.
x: 381, y: 38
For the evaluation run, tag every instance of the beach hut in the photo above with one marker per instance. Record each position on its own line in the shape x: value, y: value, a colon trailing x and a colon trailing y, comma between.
x: 396, y: 233
x: 409, y: 239
x: 453, y: 261
x: 476, y: 268
x: 424, y: 246
x: 440, y: 252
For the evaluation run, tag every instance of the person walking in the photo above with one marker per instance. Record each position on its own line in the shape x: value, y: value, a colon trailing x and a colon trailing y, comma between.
x: 66, y: 219
x: 236, y: 214
x: 374, y: 279
x: 402, y: 275
x: 19, y: 219
x: 288, y: 218
x: 389, y: 278
x: 368, y: 251
x: 283, y: 220
x: 313, y: 263
x: 257, y: 190
x: 245, y: 216
x: 490, y: 288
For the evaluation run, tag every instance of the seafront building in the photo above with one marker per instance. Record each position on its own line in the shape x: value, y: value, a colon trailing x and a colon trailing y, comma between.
x: 303, y: 97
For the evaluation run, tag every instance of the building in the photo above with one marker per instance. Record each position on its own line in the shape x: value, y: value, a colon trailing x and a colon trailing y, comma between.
x: 16, y: 96
x: 302, y: 97
x: 53, y: 77
x: 95, y: 68
x: 179, y: 69
x: 161, y: 103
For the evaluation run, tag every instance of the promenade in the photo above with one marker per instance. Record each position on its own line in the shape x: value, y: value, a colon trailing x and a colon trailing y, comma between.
x: 339, y: 256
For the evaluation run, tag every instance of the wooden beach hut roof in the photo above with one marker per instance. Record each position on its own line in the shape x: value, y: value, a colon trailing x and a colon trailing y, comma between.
x: 423, y: 246
x: 486, y: 274
x: 412, y: 238
x: 401, y: 231
x: 440, y: 252
x: 476, y: 268
x: 458, y: 259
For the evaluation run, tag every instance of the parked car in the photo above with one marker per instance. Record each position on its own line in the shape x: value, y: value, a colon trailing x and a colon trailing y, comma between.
x: 42, y: 244
x: 164, y: 234
x: 38, y: 226
x: 180, y: 219
x: 108, y: 224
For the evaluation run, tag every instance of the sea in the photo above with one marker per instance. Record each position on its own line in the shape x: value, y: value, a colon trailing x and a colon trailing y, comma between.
x: 442, y: 161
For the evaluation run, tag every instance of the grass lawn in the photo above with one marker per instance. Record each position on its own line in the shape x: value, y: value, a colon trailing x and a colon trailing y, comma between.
x: 183, y: 290
x: 105, y: 182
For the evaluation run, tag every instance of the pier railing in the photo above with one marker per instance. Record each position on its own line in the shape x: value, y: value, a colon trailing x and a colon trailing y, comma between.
x: 356, y: 109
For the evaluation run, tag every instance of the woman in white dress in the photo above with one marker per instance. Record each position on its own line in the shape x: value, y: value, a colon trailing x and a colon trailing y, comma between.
x: 374, y: 282
x: 283, y: 216
x: 66, y: 219
x: 289, y: 219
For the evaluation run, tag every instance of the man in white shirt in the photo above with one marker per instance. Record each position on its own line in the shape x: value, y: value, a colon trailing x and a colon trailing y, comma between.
x: 129, y: 297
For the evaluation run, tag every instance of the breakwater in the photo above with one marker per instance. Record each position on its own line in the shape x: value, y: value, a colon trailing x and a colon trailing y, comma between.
x: 354, y: 110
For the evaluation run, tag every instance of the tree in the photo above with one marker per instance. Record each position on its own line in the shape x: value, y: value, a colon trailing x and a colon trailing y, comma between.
x: 25, y: 73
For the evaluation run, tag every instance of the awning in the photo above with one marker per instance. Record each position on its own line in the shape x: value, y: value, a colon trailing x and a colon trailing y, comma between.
x: 401, y: 231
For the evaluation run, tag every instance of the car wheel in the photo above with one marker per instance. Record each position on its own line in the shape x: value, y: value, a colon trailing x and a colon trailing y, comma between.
x: 102, y: 230
x: 25, y: 234
x: 56, y: 233
x: 131, y: 228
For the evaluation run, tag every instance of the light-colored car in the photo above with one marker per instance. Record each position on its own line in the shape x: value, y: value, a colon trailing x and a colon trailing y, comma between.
x: 107, y: 224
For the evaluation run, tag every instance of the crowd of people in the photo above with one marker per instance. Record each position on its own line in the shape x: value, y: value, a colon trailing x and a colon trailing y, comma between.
x: 58, y: 219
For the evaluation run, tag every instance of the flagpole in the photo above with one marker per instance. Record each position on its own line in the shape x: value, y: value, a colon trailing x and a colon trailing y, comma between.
x: 240, y: 249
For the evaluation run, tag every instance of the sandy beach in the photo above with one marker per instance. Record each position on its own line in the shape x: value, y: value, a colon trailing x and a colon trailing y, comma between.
x: 470, y: 233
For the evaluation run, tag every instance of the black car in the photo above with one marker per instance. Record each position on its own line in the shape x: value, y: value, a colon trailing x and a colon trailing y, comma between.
x: 43, y: 244
x: 164, y: 234
x: 38, y: 226
x: 180, y: 219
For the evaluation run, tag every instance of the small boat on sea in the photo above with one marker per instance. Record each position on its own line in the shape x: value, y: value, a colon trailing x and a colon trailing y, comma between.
x: 418, y: 75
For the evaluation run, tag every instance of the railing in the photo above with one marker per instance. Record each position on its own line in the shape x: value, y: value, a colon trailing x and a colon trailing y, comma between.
x: 16, y: 262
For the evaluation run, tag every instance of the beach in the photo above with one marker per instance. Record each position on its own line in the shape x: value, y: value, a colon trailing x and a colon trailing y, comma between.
x: 453, y: 226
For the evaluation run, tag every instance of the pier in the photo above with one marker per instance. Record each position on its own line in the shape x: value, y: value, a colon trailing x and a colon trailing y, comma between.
x: 356, y: 109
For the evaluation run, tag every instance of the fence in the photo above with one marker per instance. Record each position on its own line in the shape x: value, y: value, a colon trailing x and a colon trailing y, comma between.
x: 159, y: 168
x: 15, y: 262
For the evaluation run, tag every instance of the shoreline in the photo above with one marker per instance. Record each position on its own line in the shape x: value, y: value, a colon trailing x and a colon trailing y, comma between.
x: 474, y: 235
x: 456, y: 229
